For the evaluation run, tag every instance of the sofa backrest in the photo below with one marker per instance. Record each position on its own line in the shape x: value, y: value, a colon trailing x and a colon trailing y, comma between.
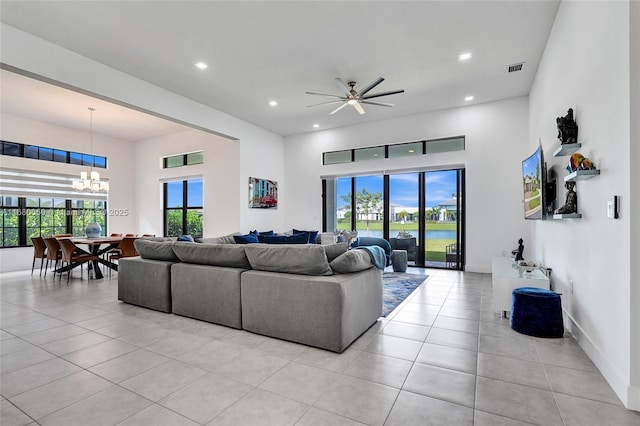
x: 304, y: 259
x: 229, y: 255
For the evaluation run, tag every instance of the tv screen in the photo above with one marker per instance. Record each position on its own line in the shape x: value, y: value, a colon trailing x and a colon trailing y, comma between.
x: 533, y: 184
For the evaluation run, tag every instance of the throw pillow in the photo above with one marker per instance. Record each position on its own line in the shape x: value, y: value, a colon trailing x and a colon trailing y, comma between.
x: 291, y: 259
x: 225, y: 239
x: 335, y: 250
x: 284, y: 239
x: 186, y: 238
x: 156, y: 250
x: 245, y: 239
x: 266, y: 233
x: 351, y: 261
x: 313, y: 235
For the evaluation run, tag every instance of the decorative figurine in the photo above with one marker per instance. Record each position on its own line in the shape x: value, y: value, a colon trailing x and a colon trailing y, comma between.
x: 567, y: 128
x: 518, y: 252
x: 571, y: 204
x: 578, y: 161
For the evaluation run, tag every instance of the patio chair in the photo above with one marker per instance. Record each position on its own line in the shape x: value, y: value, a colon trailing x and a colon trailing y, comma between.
x: 451, y: 255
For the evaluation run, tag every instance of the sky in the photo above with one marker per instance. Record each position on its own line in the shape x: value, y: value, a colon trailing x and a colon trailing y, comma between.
x: 440, y: 186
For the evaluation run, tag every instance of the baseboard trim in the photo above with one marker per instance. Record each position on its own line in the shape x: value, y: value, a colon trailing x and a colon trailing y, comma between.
x: 629, y: 395
x: 483, y: 269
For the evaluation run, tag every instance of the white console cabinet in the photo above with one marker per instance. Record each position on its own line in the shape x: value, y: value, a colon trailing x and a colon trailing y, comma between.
x: 507, y: 275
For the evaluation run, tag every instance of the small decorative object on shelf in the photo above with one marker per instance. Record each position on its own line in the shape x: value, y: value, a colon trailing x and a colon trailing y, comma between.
x: 567, y: 128
x: 571, y: 202
x: 518, y: 252
x: 578, y: 161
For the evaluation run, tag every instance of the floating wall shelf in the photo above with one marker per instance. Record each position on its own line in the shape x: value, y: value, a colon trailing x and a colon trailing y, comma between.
x: 567, y: 216
x: 581, y: 175
x: 566, y: 149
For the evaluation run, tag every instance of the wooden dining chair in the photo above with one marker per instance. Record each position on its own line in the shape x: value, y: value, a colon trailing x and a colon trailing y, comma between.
x: 148, y: 235
x: 53, y: 254
x: 126, y: 249
x: 116, y: 235
x: 70, y: 255
x: 130, y: 235
x: 39, y: 252
x: 62, y: 235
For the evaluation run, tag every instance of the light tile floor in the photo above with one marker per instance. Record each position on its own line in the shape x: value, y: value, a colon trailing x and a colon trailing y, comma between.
x: 74, y: 355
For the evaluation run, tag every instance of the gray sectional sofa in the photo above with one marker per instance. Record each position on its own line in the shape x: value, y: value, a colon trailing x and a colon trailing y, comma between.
x: 319, y: 295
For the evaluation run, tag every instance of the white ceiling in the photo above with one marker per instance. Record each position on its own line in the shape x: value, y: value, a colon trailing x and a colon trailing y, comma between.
x: 267, y: 50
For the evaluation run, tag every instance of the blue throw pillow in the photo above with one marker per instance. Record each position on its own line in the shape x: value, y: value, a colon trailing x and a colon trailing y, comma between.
x: 187, y: 238
x: 284, y: 239
x: 266, y: 233
x: 312, y: 235
x: 245, y: 239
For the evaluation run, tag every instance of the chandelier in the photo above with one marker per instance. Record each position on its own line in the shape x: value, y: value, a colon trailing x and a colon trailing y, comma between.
x: 90, y: 182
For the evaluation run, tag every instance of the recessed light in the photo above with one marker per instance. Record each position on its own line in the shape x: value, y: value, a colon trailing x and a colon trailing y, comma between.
x: 468, y: 98
x: 315, y: 126
x: 464, y: 56
x: 411, y: 151
x: 273, y: 103
x: 201, y: 65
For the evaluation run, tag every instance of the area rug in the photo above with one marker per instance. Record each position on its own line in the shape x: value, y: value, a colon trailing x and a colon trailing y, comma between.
x: 396, y: 286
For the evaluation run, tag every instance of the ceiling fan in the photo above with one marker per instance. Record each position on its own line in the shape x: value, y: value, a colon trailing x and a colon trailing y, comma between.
x: 355, y: 98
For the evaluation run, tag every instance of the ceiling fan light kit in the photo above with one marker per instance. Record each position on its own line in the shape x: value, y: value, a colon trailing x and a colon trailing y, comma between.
x: 355, y: 98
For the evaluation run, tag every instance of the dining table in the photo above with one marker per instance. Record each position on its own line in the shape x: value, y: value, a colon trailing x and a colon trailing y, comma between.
x: 96, y: 246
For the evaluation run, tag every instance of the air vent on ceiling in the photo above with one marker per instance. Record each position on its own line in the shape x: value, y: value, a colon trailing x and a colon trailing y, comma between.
x: 516, y: 67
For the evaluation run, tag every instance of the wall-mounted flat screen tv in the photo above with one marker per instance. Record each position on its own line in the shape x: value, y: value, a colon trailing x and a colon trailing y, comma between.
x: 533, y: 185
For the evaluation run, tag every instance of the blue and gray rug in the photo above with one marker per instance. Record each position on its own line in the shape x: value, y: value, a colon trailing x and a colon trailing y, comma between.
x: 396, y: 286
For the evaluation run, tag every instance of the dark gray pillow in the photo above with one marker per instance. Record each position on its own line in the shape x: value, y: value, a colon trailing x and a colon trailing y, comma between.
x: 156, y: 250
x: 351, y: 261
x: 303, y: 259
x: 225, y: 239
x: 335, y: 250
x: 229, y: 255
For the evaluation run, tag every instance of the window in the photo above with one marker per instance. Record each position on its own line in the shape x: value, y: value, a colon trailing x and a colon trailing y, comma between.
x: 51, y: 154
x: 183, y: 208
x: 182, y: 160
x: 407, y: 149
x: 27, y: 217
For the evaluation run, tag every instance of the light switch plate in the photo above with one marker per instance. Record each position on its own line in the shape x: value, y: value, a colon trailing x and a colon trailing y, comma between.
x: 612, y: 208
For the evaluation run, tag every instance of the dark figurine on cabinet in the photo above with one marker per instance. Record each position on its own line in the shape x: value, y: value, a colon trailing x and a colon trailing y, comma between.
x: 571, y: 203
x: 518, y: 252
x: 567, y: 128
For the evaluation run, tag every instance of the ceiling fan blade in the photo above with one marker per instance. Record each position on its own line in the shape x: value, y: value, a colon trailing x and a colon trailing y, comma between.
x: 377, y: 95
x: 359, y: 108
x: 376, y: 103
x: 324, y: 94
x: 339, y: 108
x: 371, y: 85
x: 343, y: 86
x: 324, y: 103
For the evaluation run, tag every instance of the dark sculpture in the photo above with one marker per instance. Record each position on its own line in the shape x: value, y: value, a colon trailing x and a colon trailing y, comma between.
x: 567, y: 128
x: 571, y: 204
x: 518, y: 252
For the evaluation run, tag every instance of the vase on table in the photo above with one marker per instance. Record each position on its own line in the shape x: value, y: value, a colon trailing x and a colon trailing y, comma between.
x: 93, y: 230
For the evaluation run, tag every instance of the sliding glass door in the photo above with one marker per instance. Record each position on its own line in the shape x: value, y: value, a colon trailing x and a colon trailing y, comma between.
x: 421, y: 212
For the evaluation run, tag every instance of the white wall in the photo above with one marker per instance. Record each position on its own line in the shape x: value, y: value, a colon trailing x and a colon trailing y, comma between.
x: 219, y: 171
x: 586, y: 67
x: 261, y: 151
x: 120, y: 159
x: 496, y: 144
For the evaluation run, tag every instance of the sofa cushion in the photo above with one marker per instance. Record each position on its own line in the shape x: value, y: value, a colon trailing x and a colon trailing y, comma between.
x: 312, y: 235
x: 225, y: 239
x: 156, y: 250
x: 186, y: 238
x: 284, y: 239
x: 230, y: 255
x: 351, y: 261
x: 335, y: 250
x: 292, y: 259
x: 245, y: 239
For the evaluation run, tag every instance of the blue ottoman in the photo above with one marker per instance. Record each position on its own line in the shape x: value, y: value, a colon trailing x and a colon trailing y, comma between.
x: 537, y: 312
